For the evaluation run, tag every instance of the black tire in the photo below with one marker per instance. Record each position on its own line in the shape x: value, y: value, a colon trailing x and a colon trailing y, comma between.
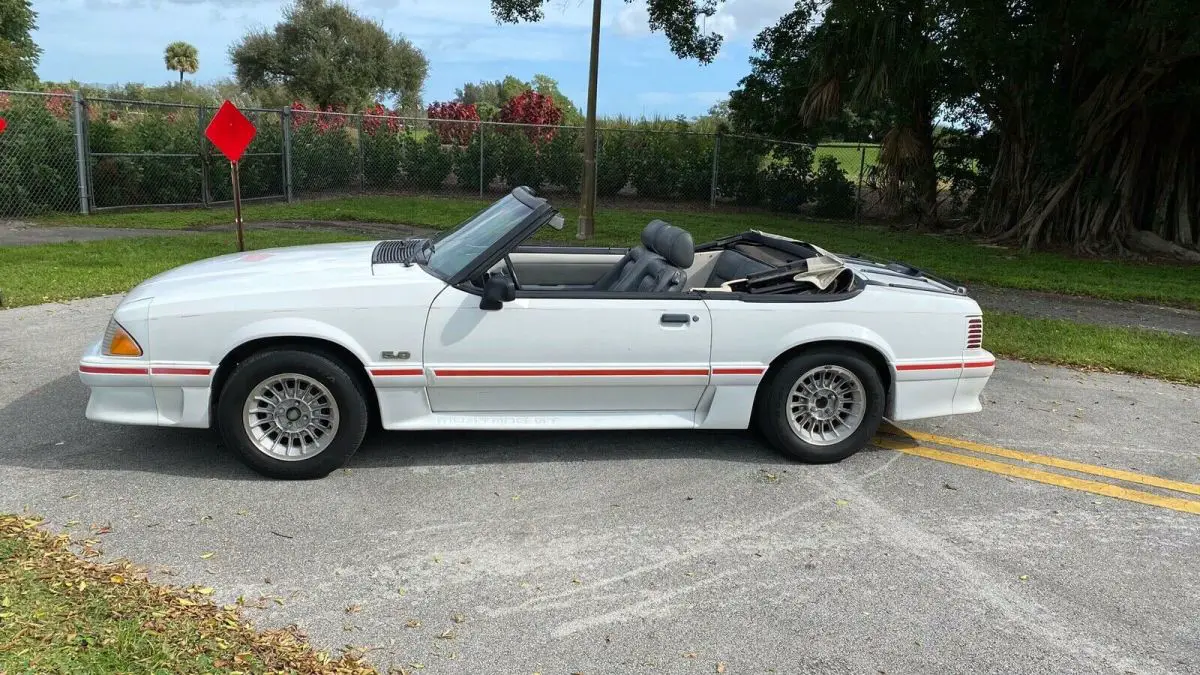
x: 772, y: 408
x: 342, y: 386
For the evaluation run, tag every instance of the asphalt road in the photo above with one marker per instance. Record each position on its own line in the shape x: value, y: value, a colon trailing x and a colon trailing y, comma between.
x: 652, y: 552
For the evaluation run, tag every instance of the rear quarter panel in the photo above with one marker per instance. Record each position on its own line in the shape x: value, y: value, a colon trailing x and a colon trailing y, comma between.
x: 913, y: 330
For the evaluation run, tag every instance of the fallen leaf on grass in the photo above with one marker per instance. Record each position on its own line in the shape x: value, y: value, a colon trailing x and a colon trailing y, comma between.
x: 459, y: 618
x: 117, y: 579
x: 353, y: 609
x: 1024, y: 577
x: 207, y: 554
x: 721, y: 667
x: 841, y: 502
x: 447, y: 634
x: 412, y: 623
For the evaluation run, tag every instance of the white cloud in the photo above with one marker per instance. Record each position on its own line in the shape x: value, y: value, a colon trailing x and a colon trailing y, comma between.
x: 736, y: 20
x: 708, y: 97
x: 633, y: 20
x: 657, y: 98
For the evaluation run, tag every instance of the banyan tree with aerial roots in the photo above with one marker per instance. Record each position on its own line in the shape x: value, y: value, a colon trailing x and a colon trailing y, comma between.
x: 1072, y: 123
x: 1097, y: 110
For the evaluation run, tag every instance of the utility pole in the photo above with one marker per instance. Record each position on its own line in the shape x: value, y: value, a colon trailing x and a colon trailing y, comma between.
x: 587, y: 207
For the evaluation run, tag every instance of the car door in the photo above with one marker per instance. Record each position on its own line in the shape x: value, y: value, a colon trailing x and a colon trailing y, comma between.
x: 552, y: 353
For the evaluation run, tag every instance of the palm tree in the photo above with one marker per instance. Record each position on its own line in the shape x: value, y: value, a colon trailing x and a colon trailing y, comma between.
x: 182, y: 57
x: 884, y: 56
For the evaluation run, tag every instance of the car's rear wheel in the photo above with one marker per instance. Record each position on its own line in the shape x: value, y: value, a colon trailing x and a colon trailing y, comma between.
x: 822, y: 406
x: 292, y: 414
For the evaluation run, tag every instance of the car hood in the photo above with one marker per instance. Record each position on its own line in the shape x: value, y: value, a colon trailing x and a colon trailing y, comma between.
x: 293, y: 267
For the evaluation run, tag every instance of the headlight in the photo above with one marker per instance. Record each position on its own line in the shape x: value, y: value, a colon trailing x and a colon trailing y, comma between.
x: 118, y: 341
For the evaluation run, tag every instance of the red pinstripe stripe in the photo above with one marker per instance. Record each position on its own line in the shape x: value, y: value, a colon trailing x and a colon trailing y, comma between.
x: 928, y: 366
x: 574, y: 372
x: 738, y: 371
x: 113, y: 370
x: 179, y: 371
x: 945, y: 366
x: 395, y: 372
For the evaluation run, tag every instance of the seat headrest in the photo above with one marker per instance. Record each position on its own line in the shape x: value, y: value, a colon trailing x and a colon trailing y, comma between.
x: 675, y: 244
x: 650, y: 232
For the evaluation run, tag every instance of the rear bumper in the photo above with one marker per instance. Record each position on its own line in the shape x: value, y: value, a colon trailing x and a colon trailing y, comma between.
x: 937, y: 389
x: 139, y: 391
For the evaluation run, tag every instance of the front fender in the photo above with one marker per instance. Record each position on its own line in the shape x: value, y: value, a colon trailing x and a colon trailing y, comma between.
x: 283, y: 327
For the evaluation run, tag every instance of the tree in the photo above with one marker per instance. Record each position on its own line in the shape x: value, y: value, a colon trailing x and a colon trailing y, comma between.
x: 1092, y: 110
x: 889, y: 56
x: 18, y: 53
x: 679, y: 20
x: 490, y: 97
x: 182, y: 57
x: 769, y: 100
x: 324, y: 52
x: 1073, y: 120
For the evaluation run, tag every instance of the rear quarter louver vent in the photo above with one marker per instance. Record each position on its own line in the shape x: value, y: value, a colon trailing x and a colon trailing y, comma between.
x: 974, y: 332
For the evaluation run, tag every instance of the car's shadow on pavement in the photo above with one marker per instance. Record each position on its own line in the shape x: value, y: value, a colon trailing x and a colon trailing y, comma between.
x: 46, y: 429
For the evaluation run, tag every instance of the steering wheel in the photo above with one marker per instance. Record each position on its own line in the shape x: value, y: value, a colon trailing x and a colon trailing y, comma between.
x: 512, y: 272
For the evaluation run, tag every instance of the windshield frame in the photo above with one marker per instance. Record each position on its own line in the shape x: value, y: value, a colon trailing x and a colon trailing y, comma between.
x: 540, y: 213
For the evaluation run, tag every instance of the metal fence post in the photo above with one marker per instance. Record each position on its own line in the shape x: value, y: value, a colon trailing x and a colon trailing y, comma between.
x: 712, y: 200
x: 285, y: 121
x: 202, y: 152
x: 362, y: 163
x: 482, y: 128
x: 862, y: 163
x: 81, y: 151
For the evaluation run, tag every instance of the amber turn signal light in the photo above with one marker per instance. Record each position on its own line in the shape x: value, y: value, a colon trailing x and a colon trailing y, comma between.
x: 118, y: 342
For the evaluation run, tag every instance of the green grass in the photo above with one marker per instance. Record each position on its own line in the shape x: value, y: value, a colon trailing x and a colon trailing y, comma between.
x: 1127, y: 350
x: 62, y: 614
x: 52, y: 272
x: 849, y: 157
x: 952, y: 257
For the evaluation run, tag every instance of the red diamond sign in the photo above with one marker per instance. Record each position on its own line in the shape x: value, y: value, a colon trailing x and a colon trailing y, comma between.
x: 3, y: 124
x: 230, y: 131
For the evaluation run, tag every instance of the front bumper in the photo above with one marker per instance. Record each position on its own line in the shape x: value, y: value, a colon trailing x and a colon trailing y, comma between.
x: 140, y: 391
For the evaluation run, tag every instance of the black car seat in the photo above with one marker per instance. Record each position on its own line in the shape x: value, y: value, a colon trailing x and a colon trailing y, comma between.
x: 663, y: 268
x: 733, y: 265
x: 635, y: 255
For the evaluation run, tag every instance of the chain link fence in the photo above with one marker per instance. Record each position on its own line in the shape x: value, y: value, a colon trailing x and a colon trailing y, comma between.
x: 63, y: 152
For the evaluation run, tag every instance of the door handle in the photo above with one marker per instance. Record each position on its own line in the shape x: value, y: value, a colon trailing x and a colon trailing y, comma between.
x: 676, y: 319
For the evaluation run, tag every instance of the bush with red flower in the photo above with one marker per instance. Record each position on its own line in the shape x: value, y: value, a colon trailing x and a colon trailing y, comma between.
x: 533, y: 108
x: 458, y: 132
x: 377, y: 118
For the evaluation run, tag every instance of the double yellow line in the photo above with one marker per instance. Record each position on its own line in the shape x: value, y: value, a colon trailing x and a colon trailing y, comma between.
x: 913, y: 443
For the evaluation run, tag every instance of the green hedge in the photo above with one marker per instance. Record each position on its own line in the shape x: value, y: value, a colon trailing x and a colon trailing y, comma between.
x: 333, y: 154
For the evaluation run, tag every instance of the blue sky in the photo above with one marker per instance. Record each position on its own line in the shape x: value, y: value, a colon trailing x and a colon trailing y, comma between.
x: 118, y: 41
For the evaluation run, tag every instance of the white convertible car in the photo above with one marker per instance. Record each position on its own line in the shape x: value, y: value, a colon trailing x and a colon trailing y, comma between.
x: 293, y: 352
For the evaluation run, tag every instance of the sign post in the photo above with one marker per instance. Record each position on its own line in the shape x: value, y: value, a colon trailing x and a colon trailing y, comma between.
x: 231, y: 133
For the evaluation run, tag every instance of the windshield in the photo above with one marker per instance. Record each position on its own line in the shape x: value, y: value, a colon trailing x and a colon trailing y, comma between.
x: 457, y: 249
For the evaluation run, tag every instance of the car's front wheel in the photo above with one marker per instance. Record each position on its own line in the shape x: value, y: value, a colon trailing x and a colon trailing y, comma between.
x: 822, y: 406
x: 292, y: 414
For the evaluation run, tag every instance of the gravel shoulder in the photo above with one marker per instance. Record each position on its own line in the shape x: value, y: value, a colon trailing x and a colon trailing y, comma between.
x: 1038, y: 305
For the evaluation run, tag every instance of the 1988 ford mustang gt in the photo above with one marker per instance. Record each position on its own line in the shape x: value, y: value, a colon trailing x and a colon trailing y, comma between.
x: 291, y: 352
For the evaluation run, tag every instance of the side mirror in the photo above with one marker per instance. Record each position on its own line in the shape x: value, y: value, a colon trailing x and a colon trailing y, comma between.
x: 497, y: 290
